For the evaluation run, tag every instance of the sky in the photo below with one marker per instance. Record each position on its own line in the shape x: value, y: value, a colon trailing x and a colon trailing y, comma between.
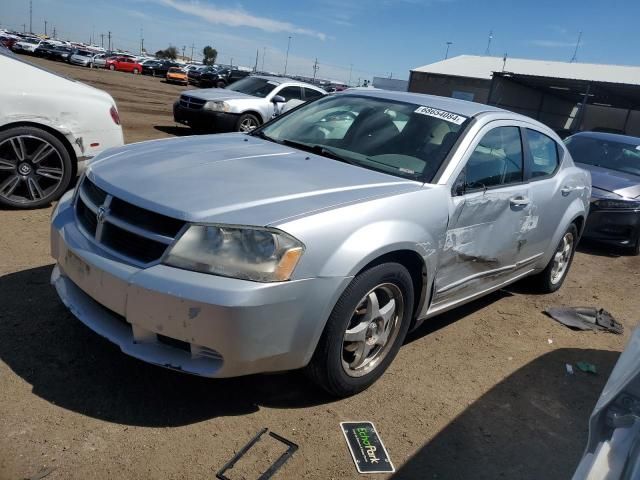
x: 349, y: 38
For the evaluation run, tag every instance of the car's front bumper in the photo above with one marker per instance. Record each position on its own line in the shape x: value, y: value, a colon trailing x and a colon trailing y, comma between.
x: 616, y: 227
x: 193, y: 322
x: 218, y: 121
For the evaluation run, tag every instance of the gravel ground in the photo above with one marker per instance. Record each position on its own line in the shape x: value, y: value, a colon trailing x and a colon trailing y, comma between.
x: 480, y: 392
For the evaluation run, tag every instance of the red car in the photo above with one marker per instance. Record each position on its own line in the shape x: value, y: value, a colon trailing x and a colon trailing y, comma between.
x: 123, y: 64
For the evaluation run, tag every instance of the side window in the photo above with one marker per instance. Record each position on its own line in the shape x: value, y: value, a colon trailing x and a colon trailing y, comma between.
x: 291, y: 93
x: 497, y: 160
x: 310, y: 93
x: 544, y: 153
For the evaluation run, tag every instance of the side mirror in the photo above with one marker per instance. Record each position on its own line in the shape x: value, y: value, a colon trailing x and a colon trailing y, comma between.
x: 278, y: 99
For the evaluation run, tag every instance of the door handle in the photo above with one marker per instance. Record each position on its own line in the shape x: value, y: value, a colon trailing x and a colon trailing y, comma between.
x: 519, y: 201
x: 566, y: 190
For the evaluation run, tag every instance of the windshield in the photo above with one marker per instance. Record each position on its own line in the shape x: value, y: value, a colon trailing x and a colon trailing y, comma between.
x: 30, y: 40
x: 83, y: 53
x: 620, y: 156
x: 175, y: 70
x: 256, y: 86
x: 403, y: 139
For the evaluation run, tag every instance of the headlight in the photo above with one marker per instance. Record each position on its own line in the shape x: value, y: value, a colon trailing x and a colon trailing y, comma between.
x: 248, y: 253
x: 217, y: 106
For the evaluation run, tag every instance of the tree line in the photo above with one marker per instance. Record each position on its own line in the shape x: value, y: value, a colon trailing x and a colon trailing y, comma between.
x: 209, y: 54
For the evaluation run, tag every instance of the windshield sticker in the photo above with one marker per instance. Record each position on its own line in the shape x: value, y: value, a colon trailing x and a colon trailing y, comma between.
x: 442, y: 114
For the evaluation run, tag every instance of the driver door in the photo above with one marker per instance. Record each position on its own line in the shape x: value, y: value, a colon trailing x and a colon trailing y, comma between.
x: 488, y: 212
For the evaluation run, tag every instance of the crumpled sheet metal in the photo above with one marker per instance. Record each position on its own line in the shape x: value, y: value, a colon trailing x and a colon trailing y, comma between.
x: 585, y: 318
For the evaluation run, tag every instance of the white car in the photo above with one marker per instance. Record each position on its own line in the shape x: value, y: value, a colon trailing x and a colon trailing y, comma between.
x: 49, y: 125
x: 27, y: 45
x: 82, y: 57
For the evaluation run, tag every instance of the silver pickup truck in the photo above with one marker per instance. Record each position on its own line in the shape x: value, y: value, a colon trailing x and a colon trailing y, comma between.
x: 243, y: 105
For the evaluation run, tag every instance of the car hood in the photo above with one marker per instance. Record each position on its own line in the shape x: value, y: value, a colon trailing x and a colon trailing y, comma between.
x: 234, y: 178
x: 219, y: 94
x: 624, y: 184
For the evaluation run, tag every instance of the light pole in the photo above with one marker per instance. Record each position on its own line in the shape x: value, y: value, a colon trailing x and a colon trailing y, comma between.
x: 286, y: 62
x: 350, y: 72
x: 264, y: 53
x: 446, y: 55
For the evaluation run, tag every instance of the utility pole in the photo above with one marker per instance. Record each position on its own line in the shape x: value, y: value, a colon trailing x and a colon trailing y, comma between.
x: 350, y: 71
x: 487, y: 52
x: 109, y: 37
x: 30, y: 16
x: 264, y: 53
x: 255, y: 68
x: 575, y: 52
x: 183, y: 49
x: 141, y: 41
x: 193, y: 45
x: 54, y: 32
x: 286, y: 62
x: 315, y: 70
x: 24, y: 28
x: 102, y: 40
x: 45, y: 28
x: 446, y: 55
x: 231, y: 62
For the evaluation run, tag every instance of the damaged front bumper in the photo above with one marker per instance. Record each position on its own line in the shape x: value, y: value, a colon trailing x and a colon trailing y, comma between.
x: 193, y: 322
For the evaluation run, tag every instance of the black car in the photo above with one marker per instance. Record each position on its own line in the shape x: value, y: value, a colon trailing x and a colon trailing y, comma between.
x: 221, y: 78
x: 45, y: 50
x: 614, y: 163
x: 61, y: 53
x: 158, y: 67
x: 194, y: 75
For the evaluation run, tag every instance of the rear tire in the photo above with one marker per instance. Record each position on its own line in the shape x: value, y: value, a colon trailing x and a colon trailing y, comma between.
x: 112, y: 67
x: 135, y: 71
x: 220, y: 84
x: 344, y: 364
x: 554, y: 275
x: 35, y: 168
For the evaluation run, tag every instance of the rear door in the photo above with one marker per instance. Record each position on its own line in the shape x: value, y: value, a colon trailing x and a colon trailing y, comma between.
x: 552, y: 191
x: 489, y: 207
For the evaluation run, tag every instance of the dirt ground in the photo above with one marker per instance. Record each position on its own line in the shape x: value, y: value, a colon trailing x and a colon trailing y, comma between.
x: 480, y: 392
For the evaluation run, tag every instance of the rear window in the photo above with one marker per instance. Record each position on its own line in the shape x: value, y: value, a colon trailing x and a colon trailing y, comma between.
x: 175, y: 70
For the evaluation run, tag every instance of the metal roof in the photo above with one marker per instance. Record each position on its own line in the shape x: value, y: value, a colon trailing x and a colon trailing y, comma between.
x: 482, y: 67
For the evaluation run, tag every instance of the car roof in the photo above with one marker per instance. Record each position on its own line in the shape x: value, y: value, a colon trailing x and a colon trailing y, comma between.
x: 282, y: 80
x: 612, y: 137
x: 461, y: 107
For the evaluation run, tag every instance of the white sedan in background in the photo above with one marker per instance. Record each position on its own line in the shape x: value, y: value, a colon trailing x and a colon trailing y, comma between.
x: 82, y: 57
x: 99, y: 61
x: 49, y: 125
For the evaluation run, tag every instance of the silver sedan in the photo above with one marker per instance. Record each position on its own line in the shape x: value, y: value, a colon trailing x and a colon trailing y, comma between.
x: 318, y: 240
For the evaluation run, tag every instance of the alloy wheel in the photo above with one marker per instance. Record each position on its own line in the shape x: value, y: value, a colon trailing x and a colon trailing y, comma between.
x: 248, y: 124
x: 31, y: 169
x: 562, y: 258
x: 372, y: 330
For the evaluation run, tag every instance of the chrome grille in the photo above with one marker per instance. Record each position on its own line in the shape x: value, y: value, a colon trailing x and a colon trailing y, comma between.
x: 187, y: 101
x: 124, y: 229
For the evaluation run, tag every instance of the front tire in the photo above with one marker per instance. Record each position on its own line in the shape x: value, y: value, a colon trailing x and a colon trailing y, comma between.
x: 112, y: 67
x: 220, y: 84
x: 554, y: 275
x: 247, y: 122
x: 365, y: 330
x: 35, y: 168
x: 135, y: 71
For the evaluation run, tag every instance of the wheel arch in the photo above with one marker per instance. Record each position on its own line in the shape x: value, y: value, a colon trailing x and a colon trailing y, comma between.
x: 256, y: 114
x: 56, y: 133
x: 417, y: 268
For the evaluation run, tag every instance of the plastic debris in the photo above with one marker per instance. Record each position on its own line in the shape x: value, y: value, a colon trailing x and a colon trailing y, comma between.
x: 587, y: 367
x: 549, y: 341
x: 569, y: 368
x: 585, y: 318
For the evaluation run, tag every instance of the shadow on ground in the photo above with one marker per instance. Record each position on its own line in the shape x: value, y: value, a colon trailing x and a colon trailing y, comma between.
x: 518, y: 429
x: 174, y: 130
x: 69, y: 365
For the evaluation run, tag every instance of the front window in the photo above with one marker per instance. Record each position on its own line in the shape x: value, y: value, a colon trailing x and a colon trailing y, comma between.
x: 256, y: 86
x: 403, y: 139
x: 615, y: 155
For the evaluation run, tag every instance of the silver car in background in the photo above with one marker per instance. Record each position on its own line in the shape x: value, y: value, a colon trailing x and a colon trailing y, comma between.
x: 243, y: 105
x: 82, y: 57
x: 318, y: 240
